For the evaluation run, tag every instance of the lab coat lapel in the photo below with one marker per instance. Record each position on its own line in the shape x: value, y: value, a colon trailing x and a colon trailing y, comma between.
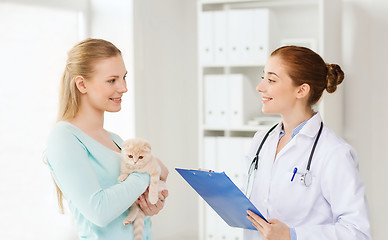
x: 310, y: 129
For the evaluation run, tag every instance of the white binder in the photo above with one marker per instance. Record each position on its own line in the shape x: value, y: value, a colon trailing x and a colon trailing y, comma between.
x: 240, y: 35
x: 216, y: 100
x: 221, y: 93
x: 235, y: 23
x: 211, y: 224
x: 207, y: 39
x: 210, y: 155
x: 261, y: 38
x: 244, y: 100
x: 220, y: 36
x: 231, y: 158
x: 230, y: 100
x: 210, y: 103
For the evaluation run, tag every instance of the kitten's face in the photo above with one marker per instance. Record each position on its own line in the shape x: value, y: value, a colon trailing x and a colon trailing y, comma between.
x: 136, y: 152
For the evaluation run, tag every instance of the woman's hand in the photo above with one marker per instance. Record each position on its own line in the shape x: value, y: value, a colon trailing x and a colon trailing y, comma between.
x: 151, y: 209
x: 274, y: 230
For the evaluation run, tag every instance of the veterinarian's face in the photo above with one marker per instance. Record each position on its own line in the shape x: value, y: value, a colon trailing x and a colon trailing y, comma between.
x: 107, y: 85
x: 278, y: 91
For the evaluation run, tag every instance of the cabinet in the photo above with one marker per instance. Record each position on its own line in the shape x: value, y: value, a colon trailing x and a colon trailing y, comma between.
x: 235, y: 38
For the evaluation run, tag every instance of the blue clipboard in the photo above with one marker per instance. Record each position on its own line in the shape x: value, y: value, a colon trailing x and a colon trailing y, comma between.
x: 222, y: 195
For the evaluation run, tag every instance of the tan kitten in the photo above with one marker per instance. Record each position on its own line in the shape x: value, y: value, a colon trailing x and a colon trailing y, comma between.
x: 137, y: 157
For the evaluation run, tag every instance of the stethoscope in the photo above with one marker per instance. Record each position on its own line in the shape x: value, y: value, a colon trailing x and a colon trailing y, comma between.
x: 305, y: 178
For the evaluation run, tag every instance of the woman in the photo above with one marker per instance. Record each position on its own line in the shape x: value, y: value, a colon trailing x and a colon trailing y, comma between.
x: 83, y: 157
x: 323, y: 199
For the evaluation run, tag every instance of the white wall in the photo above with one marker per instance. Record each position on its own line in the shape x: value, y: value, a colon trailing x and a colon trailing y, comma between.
x: 33, y: 54
x: 365, y: 51
x: 113, y: 21
x: 35, y: 37
x: 166, y: 103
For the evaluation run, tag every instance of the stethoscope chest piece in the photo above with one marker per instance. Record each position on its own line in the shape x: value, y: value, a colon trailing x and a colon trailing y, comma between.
x: 306, y: 179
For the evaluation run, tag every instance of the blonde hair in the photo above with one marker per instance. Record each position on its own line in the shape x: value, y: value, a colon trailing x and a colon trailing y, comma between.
x: 80, y: 62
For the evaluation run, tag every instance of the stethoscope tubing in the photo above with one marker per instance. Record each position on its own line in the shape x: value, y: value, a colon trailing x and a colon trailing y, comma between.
x: 306, y: 177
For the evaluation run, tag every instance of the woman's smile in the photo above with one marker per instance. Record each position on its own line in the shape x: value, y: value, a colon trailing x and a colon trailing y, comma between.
x: 116, y: 100
x: 265, y: 99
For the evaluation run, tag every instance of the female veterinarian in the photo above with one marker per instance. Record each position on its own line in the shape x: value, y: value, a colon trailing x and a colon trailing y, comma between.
x: 303, y: 178
x: 83, y: 157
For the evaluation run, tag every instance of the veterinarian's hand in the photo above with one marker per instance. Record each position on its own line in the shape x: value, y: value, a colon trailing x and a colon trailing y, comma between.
x: 151, y: 209
x: 274, y: 230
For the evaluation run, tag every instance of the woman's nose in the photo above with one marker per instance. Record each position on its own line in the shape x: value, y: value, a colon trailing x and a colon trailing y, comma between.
x: 123, y: 87
x: 260, y: 86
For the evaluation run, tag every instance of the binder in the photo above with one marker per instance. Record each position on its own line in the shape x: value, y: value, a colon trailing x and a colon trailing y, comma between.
x: 240, y: 33
x: 207, y: 41
x: 211, y: 224
x: 261, y: 48
x: 222, y: 195
x: 210, y: 87
x: 216, y: 100
x: 244, y: 100
x: 209, y: 152
x: 220, y: 36
x: 230, y: 159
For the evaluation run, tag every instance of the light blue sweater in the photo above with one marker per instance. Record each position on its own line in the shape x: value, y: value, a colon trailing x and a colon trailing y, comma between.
x: 86, y: 171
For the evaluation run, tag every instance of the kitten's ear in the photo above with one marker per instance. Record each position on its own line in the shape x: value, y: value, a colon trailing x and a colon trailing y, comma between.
x: 147, y: 147
x: 127, y: 144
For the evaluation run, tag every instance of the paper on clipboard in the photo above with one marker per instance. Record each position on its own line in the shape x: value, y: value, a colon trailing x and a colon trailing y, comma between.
x: 222, y: 195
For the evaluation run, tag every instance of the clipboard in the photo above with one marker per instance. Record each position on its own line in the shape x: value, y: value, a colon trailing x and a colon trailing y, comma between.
x: 222, y: 195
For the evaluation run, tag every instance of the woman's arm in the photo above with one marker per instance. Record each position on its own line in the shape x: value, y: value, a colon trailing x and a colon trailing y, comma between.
x: 70, y: 165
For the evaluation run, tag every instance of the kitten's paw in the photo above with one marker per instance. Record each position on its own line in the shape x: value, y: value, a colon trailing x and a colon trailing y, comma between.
x: 126, y: 222
x: 122, y: 177
x: 153, y: 197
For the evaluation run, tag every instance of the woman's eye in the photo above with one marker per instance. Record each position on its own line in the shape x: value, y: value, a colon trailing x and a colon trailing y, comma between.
x: 269, y: 80
x: 125, y: 77
x: 111, y: 81
x: 262, y: 78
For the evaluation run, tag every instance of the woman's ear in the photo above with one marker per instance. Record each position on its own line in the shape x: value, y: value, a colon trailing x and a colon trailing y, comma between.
x: 80, y: 83
x: 303, y: 91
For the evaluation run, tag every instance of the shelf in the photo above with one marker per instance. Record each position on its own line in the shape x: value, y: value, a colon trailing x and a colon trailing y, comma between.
x: 245, y: 128
x: 233, y: 66
x: 259, y: 3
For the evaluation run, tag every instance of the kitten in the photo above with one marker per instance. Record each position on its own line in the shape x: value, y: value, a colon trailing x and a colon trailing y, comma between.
x: 137, y: 157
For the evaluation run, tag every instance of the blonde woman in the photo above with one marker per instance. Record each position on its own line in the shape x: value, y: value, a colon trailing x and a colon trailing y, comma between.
x: 83, y: 157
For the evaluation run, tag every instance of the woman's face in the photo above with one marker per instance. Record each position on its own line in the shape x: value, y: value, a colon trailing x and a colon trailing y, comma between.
x: 107, y: 85
x: 278, y: 91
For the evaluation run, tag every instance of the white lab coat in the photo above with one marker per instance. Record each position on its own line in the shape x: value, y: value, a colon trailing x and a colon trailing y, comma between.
x: 332, y: 207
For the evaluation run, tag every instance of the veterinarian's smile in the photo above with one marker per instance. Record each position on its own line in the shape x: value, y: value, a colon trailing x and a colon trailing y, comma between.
x: 265, y: 99
x: 116, y: 100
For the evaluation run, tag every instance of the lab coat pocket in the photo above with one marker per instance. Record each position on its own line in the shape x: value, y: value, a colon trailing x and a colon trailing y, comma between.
x: 292, y: 200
